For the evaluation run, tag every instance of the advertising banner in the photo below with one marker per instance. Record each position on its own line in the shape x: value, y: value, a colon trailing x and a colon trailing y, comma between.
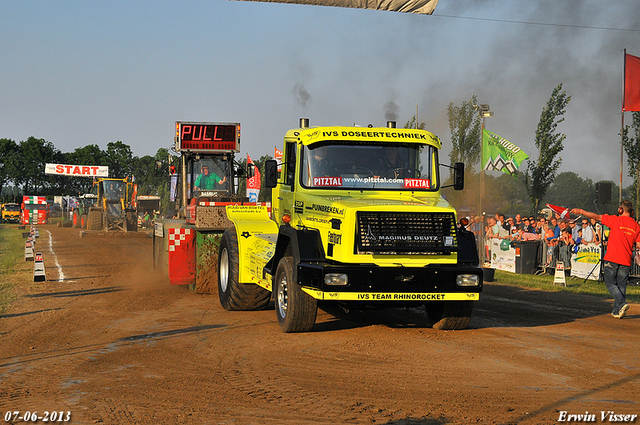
x: 498, y: 154
x: 585, y: 262
x: 77, y: 170
x: 503, y: 255
x: 174, y: 188
x: 253, y: 184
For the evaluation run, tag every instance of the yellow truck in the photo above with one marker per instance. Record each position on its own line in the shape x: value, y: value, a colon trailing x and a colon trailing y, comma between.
x: 357, y: 219
x: 10, y: 213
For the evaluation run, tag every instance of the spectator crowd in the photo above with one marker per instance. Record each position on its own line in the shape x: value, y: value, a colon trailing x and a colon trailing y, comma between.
x: 560, y: 237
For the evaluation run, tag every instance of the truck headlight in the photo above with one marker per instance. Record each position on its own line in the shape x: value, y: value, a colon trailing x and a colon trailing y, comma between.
x: 467, y: 280
x: 336, y: 279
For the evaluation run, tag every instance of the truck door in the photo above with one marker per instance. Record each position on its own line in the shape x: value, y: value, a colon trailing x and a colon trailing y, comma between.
x: 284, y: 202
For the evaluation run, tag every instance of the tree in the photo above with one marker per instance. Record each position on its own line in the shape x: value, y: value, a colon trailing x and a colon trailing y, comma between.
x: 147, y: 175
x: 412, y: 124
x: 570, y: 190
x: 541, y: 173
x: 8, y: 161
x: 119, y: 159
x: 34, y: 154
x: 465, y: 126
x: 632, y: 148
x: 86, y: 155
x: 512, y: 192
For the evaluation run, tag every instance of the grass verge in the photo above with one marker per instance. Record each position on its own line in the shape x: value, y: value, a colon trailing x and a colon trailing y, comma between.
x: 13, y: 268
x: 575, y: 285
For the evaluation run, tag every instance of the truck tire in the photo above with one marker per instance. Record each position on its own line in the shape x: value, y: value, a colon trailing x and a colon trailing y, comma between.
x: 296, y: 310
x: 449, y: 315
x: 95, y: 220
x: 75, y: 219
x: 83, y: 221
x: 236, y: 296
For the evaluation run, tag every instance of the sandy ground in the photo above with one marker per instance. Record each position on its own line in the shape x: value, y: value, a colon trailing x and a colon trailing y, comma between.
x: 112, y: 342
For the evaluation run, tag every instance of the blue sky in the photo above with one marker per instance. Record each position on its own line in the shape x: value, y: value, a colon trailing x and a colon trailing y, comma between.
x: 78, y: 73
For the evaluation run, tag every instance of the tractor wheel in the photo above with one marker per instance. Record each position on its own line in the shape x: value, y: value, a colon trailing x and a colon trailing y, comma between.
x: 234, y: 295
x: 296, y: 310
x: 449, y: 315
x: 75, y: 219
x: 94, y: 221
x: 83, y: 221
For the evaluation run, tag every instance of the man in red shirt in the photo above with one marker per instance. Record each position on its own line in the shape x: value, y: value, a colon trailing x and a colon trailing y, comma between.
x: 624, y: 233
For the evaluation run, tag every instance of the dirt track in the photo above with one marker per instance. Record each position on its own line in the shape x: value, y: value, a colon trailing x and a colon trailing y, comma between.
x: 115, y: 343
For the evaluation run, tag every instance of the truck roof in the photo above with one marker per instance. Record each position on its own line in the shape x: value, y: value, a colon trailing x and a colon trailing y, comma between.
x: 32, y: 199
x: 311, y: 135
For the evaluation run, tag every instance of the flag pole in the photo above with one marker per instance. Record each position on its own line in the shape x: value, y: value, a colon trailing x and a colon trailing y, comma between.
x: 624, y: 66
x: 481, y: 212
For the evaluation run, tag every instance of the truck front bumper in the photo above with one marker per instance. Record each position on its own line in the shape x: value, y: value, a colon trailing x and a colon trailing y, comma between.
x: 354, y: 282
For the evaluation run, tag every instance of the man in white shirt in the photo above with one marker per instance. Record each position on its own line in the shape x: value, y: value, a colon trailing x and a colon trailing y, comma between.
x: 587, y: 231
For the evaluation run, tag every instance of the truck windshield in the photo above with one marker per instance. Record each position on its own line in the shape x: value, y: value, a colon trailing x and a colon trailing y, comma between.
x: 12, y: 207
x: 210, y: 175
x: 35, y: 206
x: 113, y: 190
x: 350, y: 165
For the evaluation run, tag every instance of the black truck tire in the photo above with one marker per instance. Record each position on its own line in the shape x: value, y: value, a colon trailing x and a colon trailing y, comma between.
x: 296, y: 310
x: 75, y: 219
x: 95, y: 220
x: 236, y: 296
x: 449, y: 315
x: 83, y: 221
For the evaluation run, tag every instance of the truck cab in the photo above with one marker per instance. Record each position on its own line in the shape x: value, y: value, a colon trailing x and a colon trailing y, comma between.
x: 357, y: 218
x: 10, y: 213
x: 35, y: 210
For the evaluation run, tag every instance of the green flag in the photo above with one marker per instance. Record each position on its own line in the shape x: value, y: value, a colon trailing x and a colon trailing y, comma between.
x: 499, y: 154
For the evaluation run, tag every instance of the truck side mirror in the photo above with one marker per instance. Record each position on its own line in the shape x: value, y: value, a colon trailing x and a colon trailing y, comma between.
x: 458, y: 176
x: 271, y: 173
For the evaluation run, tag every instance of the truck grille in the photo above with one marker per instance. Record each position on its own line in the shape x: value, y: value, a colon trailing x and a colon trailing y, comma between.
x: 388, y: 232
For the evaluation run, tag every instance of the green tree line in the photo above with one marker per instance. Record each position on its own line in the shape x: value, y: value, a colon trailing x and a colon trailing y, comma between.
x: 22, y: 167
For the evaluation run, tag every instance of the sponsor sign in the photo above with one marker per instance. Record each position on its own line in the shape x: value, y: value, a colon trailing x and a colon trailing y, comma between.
x: 586, y: 262
x: 327, y: 181
x: 417, y: 183
x: 502, y: 259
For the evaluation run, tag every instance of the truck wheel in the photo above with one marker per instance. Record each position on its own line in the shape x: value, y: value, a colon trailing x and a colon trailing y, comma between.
x: 83, y: 221
x: 449, y: 315
x: 95, y: 220
x: 234, y: 295
x: 296, y: 310
x: 76, y: 219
